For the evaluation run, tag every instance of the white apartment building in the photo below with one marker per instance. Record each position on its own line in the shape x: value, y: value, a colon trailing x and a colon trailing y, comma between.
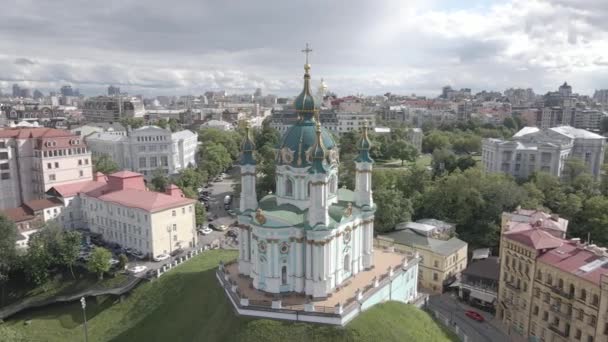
x: 545, y: 150
x: 147, y: 148
x: 32, y: 160
x: 112, y: 108
x: 122, y: 210
x: 590, y: 119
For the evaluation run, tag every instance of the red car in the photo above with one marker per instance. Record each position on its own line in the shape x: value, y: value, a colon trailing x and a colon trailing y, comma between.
x: 474, y: 315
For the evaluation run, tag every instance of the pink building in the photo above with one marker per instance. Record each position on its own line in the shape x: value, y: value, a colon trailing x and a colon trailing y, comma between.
x: 32, y: 160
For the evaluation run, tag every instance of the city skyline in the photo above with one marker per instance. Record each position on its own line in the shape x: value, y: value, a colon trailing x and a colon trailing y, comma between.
x: 372, y: 48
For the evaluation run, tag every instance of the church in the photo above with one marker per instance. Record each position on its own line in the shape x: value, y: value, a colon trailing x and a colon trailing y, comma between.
x: 309, y: 236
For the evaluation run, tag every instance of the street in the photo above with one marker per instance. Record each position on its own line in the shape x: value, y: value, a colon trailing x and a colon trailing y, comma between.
x: 454, y: 310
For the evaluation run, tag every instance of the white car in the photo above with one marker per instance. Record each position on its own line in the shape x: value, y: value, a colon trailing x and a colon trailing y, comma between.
x: 138, y: 269
x: 113, y: 262
x: 161, y: 257
x: 205, y: 230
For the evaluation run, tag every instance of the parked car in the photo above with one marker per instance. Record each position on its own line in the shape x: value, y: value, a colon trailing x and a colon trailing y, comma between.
x: 205, y: 193
x: 137, y: 269
x: 474, y: 315
x: 212, y: 226
x: 177, y: 252
x: 138, y: 254
x: 227, y: 200
x: 222, y: 227
x: 232, y: 233
x: 161, y: 257
x: 203, y: 198
x: 113, y: 262
x: 205, y: 230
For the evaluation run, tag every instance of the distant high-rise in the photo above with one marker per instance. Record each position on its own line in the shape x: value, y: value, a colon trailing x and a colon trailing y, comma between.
x: 16, y: 90
x: 67, y: 90
x: 565, y: 90
x: 112, y: 90
x: 258, y: 92
x: 38, y: 94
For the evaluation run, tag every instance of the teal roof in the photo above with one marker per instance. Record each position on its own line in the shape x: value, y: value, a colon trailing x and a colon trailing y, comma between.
x: 299, y: 139
x: 364, y: 145
x: 287, y: 215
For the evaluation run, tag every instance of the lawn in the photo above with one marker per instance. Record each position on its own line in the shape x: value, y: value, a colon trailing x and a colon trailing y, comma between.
x: 187, y: 304
x: 423, y: 160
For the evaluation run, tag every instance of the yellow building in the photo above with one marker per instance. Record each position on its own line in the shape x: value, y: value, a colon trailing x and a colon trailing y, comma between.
x: 551, y: 289
x: 443, y: 257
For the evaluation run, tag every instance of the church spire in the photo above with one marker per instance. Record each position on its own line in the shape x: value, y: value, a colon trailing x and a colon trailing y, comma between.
x: 305, y: 103
x: 247, y: 147
x: 318, y: 153
x: 364, y: 145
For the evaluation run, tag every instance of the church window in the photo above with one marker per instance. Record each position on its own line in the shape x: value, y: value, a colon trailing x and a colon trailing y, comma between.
x: 289, y: 187
x: 284, y: 248
x: 284, y: 275
x: 262, y: 246
x: 333, y: 184
x: 347, y: 263
x: 309, y: 186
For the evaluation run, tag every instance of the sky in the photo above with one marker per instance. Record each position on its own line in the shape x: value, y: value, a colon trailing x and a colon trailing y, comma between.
x: 158, y: 47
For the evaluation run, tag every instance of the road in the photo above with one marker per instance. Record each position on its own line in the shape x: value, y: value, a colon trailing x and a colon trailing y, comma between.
x: 454, y: 310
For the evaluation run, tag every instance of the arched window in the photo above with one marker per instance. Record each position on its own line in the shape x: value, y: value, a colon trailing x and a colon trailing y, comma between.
x: 284, y: 275
x: 347, y: 263
x: 309, y: 188
x: 289, y: 187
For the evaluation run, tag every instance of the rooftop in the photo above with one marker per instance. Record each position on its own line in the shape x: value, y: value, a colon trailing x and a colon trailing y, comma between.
x: 28, y: 133
x: 579, y: 260
x: 535, y: 238
x: 410, y: 238
x: 488, y: 268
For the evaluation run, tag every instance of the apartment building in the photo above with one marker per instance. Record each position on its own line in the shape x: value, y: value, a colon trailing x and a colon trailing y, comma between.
x: 147, y: 149
x: 551, y: 289
x: 547, y: 150
x: 31, y: 216
x: 443, y: 256
x: 337, y: 122
x: 112, y: 108
x: 122, y: 210
x: 32, y: 160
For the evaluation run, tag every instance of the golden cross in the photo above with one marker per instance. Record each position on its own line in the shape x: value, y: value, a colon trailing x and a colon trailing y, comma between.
x: 307, y: 51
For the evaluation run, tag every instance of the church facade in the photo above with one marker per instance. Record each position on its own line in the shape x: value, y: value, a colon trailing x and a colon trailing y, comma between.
x: 309, y: 236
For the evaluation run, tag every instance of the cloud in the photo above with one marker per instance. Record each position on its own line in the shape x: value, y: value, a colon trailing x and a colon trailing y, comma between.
x: 401, y: 46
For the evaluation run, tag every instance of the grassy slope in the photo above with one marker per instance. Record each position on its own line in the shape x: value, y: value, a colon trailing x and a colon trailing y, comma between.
x: 188, y: 305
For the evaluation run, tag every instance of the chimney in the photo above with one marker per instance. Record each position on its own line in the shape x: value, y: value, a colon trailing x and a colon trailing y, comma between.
x: 98, y: 176
x: 174, y: 190
x: 555, y: 217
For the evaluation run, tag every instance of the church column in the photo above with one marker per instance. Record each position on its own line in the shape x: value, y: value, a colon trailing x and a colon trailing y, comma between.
x: 248, y: 199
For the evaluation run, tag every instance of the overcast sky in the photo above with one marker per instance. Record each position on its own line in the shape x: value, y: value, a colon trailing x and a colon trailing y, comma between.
x: 159, y: 47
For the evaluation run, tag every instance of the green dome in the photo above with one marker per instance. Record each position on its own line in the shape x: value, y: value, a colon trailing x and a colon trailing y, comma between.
x: 295, y: 149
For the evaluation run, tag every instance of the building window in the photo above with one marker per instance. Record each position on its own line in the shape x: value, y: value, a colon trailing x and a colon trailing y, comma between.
x: 545, y: 316
x: 592, y: 320
x: 174, y: 227
x: 284, y: 275
x: 142, y: 162
x: 81, y: 173
x: 578, y: 334
x: 164, y: 161
x: 79, y: 161
x: 52, y: 177
x: 435, y: 276
x: 86, y: 161
x: 5, y: 176
x: 3, y: 155
x: 535, y: 312
x: 173, y: 213
x: 49, y: 165
x: 583, y: 295
x: 436, y: 263
x: 174, y: 237
x: 596, y: 300
x: 153, y: 162
x: 288, y: 187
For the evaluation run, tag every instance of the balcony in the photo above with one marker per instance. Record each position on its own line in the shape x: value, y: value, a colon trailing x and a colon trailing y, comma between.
x: 556, y: 309
x: 561, y: 292
x: 513, y: 287
x: 556, y: 330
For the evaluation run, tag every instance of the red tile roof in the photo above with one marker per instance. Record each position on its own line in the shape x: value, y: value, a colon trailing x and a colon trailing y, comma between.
x: 129, y: 194
x: 18, y: 214
x: 44, y: 203
x: 535, y: 238
x: 570, y: 258
x: 39, y: 132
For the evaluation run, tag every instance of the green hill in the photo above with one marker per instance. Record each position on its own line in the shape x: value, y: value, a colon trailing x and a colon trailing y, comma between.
x: 188, y: 305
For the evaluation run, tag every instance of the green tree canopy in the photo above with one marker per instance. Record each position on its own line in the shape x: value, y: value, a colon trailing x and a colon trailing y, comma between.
x: 99, y: 261
x: 393, y: 208
x: 104, y: 164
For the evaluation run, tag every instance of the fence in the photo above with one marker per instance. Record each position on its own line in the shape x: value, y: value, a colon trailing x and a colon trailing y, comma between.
x: 445, y: 321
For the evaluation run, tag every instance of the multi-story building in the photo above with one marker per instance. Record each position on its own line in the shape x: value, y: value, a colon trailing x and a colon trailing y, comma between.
x: 32, y: 160
x: 31, y: 216
x: 443, y: 256
x: 546, y: 150
x: 147, y: 149
x: 112, y: 108
x: 337, y: 122
x: 601, y: 96
x: 479, y: 283
x: 551, y: 289
x: 590, y: 119
x: 122, y: 210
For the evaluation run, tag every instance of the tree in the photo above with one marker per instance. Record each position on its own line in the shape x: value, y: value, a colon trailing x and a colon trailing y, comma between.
x: 215, y: 158
x: 604, y: 125
x: 435, y: 140
x: 509, y: 122
x: 122, y: 261
x: 162, y: 123
x: 593, y: 220
x: 266, y: 167
x: 200, y: 213
x: 403, y: 151
x: 443, y: 160
x: 8, y: 238
x: 159, y: 180
x: 190, y: 178
x: 573, y: 168
x: 133, y: 122
x: 174, y: 125
x: 37, y: 261
x: 104, y: 164
x: 70, y: 248
x: 393, y: 208
x: 99, y: 261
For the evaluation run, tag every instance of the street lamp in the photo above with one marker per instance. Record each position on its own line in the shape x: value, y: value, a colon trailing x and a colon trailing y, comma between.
x: 83, y: 304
